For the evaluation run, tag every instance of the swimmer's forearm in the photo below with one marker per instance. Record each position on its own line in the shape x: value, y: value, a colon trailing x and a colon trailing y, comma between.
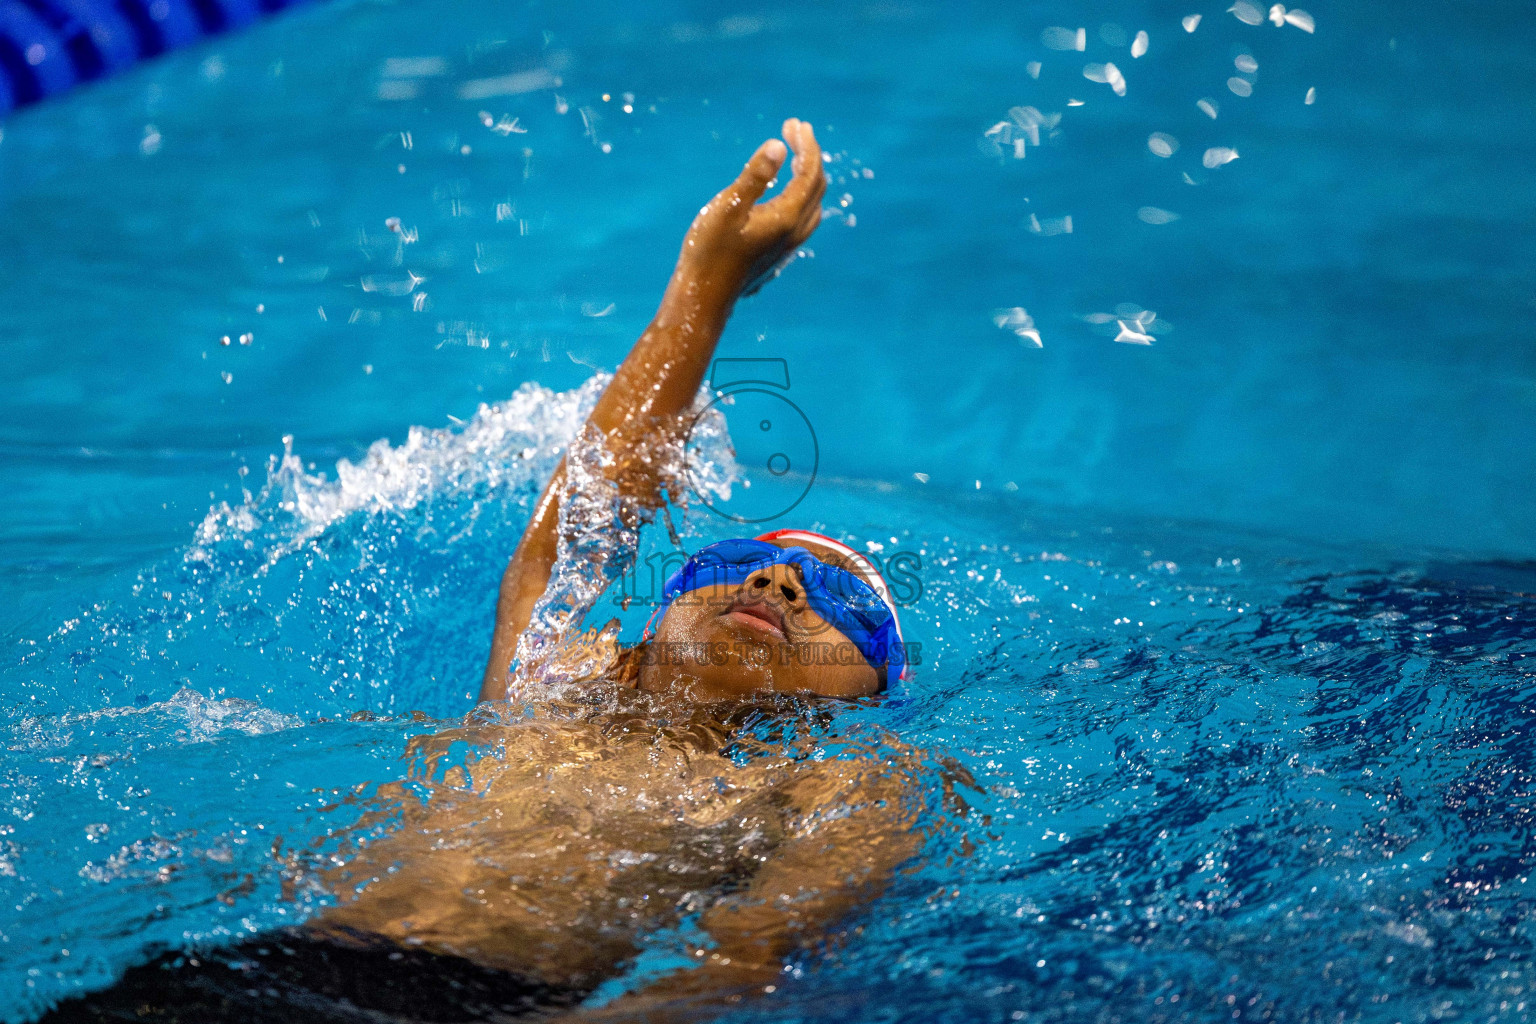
x: 660, y: 377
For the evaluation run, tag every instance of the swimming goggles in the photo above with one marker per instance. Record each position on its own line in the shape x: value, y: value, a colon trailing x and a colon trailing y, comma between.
x: 842, y: 598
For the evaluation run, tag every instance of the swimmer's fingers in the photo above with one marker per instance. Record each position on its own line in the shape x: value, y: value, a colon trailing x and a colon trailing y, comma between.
x: 809, y: 183
x: 749, y: 187
x: 810, y: 212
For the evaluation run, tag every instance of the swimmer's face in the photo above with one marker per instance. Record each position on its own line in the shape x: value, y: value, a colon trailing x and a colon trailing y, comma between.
x: 759, y: 636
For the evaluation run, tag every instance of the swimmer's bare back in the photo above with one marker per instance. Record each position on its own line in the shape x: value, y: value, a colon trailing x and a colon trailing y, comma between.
x: 733, y: 247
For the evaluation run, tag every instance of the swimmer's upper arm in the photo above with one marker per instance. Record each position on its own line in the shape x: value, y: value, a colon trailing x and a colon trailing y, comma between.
x: 733, y: 246
x: 522, y: 584
x: 859, y: 823
x: 798, y: 897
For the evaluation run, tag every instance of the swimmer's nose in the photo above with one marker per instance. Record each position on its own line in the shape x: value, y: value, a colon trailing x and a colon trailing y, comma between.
x: 781, y: 580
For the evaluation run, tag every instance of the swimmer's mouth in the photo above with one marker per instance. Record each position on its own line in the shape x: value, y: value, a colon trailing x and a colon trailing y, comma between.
x: 757, y: 615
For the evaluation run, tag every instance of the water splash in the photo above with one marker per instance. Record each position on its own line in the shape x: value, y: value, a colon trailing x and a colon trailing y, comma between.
x: 607, y: 500
x: 188, y: 717
x: 497, y: 447
x: 369, y: 588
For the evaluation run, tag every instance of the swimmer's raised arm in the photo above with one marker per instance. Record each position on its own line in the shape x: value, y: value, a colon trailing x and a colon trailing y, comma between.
x: 734, y: 246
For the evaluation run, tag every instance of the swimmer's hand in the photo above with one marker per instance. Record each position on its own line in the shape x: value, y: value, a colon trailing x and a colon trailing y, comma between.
x: 736, y: 245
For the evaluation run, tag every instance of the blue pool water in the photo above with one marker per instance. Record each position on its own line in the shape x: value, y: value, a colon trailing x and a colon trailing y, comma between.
x: 1234, y: 630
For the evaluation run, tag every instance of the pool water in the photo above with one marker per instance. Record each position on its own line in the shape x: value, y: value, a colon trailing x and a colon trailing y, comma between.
x: 1234, y: 630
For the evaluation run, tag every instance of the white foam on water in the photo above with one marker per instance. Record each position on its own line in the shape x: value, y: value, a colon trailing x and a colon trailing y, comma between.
x: 497, y: 446
x: 186, y: 717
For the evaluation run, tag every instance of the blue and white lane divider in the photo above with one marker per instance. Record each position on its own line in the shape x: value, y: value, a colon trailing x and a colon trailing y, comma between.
x: 47, y: 46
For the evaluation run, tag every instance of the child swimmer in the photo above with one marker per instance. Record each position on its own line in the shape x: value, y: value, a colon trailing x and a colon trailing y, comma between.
x: 792, y: 611
x: 516, y: 880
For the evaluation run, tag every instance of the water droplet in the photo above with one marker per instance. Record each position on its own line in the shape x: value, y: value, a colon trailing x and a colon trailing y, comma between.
x: 1058, y: 38
x: 1216, y: 156
x: 1246, y: 12
x: 1130, y: 334
x: 1301, y: 19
